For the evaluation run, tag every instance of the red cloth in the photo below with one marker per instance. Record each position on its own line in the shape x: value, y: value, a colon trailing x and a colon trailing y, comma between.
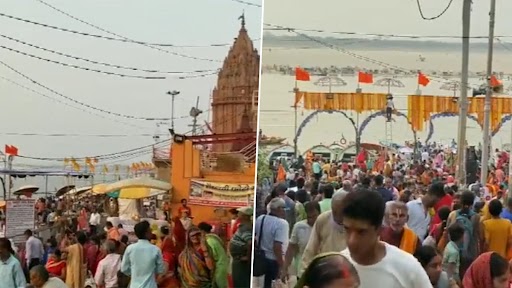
x: 478, y: 274
x: 55, y: 268
x: 447, y: 200
x: 235, y: 227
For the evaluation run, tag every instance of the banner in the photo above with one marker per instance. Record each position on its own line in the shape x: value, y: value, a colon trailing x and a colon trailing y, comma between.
x: 19, y: 217
x: 220, y: 194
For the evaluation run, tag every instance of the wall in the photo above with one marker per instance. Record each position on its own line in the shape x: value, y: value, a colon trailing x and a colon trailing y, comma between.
x: 186, y: 166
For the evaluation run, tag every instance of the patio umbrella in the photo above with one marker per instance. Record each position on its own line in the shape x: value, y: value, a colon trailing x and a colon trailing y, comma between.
x: 79, y: 191
x: 26, y: 190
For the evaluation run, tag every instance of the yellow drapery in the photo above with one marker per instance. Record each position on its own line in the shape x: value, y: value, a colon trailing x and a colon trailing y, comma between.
x: 421, y: 107
x: 358, y: 102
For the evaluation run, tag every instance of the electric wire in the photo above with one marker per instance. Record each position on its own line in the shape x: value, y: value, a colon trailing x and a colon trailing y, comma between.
x: 276, y: 27
x: 83, y: 68
x: 434, y: 17
x: 364, y: 58
x: 115, y: 155
x: 18, y: 134
x: 69, y: 105
x: 111, y: 38
x: 245, y: 3
x: 81, y: 103
x: 103, y: 63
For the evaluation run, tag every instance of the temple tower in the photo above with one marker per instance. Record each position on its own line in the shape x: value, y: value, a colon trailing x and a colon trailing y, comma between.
x: 235, y: 96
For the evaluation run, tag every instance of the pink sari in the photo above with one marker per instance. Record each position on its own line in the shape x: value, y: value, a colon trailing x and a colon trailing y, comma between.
x: 83, y: 224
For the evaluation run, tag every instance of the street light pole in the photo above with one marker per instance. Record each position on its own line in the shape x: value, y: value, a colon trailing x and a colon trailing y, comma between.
x: 173, y: 94
x: 463, y: 99
x: 488, y: 97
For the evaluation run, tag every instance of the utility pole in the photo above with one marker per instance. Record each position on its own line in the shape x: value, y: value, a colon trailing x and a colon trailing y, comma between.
x: 463, y: 99
x: 488, y: 97
x: 194, y: 113
x: 173, y: 94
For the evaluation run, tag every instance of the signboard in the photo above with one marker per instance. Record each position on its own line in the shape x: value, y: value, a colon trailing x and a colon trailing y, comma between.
x: 19, y: 216
x: 220, y: 194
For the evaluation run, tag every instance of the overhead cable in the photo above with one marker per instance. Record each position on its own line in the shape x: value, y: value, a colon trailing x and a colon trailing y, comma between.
x: 140, y: 149
x: 276, y: 27
x: 81, y: 103
x: 112, y: 39
x: 245, y: 3
x: 420, y: 9
x: 104, y: 63
x: 360, y: 57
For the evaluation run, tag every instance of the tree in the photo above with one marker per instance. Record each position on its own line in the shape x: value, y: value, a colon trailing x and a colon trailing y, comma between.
x: 264, y: 171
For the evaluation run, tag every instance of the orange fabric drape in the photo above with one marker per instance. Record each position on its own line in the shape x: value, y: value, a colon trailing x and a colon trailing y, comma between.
x: 281, y: 174
x: 409, y: 241
x: 358, y: 102
x: 420, y: 108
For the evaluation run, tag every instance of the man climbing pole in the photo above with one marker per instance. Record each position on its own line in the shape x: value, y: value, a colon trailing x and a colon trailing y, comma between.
x: 390, y: 106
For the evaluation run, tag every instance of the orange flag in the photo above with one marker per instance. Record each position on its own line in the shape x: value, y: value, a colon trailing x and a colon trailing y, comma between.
x: 366, y: 78
x: 301, y: 74
x: 422, y: 79
x: 495, y: 82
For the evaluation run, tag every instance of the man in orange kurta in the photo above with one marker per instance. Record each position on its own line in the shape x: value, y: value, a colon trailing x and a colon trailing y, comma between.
x: 394, y: 232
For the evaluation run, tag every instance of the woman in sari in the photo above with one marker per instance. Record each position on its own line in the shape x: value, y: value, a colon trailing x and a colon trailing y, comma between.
x: 76, y: 269
x: 83, y: 224
x: 195, y: 264
x: 218, y: 254
x: 179, y: 233
x: 169, y: 279
x: 56, y: 266
x: 489, y: 270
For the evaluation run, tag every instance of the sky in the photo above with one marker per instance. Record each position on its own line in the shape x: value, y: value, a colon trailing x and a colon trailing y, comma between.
x: 387, y: 17
x: 180, y: 22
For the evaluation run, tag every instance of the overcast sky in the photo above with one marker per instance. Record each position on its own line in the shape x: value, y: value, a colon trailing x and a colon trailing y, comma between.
x: 387, y: 17
x: 178, y: 22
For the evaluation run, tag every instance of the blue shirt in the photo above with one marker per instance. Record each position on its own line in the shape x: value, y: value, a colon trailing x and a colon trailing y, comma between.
x: 12, y: 274
x: 505, y: 214
x: 317, y: 169
x: 141, y: 261
x: 386, y: 194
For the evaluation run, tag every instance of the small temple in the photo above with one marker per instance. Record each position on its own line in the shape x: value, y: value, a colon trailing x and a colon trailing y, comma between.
x: 235, y: 97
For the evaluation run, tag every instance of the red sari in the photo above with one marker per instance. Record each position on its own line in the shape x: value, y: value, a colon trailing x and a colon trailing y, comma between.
x: 170, y: 279
x: 56, y: 268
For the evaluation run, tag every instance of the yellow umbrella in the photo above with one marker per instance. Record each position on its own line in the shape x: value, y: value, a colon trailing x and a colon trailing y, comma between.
x: 136, y: 193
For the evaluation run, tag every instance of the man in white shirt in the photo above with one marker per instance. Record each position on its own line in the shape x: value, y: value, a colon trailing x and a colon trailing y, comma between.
x: 377, y: 263
x: 34, y: 250
x: 40, y: 278
x: 94, y: 221
x: 106, y: 273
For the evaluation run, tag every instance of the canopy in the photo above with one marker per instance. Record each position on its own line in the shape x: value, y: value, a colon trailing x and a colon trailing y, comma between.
x: 79, y: 191
x: 136, y: 193
x: 133, y: 188
x: 64, y: 190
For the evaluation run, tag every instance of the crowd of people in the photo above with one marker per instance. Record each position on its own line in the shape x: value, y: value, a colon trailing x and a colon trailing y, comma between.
x: 86, y: 253
x: 386, y: 222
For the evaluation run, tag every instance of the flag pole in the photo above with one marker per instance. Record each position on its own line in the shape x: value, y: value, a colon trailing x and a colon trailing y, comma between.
x: 295, y: 148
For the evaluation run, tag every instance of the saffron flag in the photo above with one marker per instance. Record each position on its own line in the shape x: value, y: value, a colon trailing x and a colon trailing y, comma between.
x: 495, y: 82
x: 301, y: 74
x: 422, y: 79
x: 11, y: 150
x: 366, y: 78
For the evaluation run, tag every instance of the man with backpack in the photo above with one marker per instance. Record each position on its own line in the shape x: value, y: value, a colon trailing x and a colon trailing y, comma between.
x: 470, y: 220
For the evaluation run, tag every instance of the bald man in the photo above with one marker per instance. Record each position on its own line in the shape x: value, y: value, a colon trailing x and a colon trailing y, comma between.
x: 327, y: 234
x: 395, y: 232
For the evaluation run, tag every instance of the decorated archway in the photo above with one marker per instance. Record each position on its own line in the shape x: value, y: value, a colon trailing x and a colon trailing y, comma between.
x: 367, y: 120
x: 504, y: 120
x: 310, y: 116
x: 444, y: 115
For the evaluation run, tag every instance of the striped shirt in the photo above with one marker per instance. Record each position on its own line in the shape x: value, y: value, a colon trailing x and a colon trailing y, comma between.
x: 274, y: 230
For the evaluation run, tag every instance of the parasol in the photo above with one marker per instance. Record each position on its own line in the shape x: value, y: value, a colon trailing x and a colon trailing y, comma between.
x: 26, y: 190
x: 64, y: 190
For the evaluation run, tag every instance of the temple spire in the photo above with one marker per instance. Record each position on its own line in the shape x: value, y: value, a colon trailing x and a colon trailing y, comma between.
x: 242, y: 17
